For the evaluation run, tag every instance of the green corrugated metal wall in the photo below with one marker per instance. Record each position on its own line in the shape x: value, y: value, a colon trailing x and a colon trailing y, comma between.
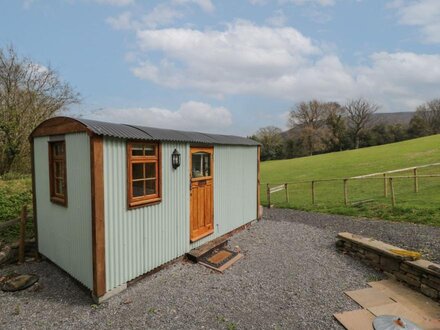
x: 142, y: 239
x: 235, y: 189
x: 65, y: 234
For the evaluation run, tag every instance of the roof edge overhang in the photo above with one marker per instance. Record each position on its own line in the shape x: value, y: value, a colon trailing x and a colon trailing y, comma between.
x: 60, y: 125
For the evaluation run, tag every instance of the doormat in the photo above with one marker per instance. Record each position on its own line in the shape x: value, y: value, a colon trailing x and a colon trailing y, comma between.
x: 220, y: 259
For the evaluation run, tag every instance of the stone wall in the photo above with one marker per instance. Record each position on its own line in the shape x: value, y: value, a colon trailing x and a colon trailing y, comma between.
x: 420, y: 274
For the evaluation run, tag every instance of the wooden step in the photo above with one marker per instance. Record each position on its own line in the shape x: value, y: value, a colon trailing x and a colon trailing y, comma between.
x: 195, y: 254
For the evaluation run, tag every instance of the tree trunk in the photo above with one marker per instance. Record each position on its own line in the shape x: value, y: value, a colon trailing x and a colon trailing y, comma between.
x: 356, y: 142
x: 7, y: 160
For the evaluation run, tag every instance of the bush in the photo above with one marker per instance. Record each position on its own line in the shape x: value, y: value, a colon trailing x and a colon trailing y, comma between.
x: 13, y: 195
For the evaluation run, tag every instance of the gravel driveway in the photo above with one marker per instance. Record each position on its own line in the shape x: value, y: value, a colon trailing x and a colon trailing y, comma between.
x: 422, y: 238
x: 290, y: 278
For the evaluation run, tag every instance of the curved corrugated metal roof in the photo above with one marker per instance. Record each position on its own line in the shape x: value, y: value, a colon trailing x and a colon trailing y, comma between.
x: 125, y: 131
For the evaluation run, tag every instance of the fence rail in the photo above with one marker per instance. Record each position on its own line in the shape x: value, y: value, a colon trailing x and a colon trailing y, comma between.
x: 22, y: 238
x: 272, y: 188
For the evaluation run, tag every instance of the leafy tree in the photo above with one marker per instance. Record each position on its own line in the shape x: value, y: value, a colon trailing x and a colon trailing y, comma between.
x: 271, y: 142
x: 359, y: 116
x: 336, y: 124
x: 29, y: 94
x: 310, y: 118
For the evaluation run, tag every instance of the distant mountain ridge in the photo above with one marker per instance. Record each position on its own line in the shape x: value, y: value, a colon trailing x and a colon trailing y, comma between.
x: 389, y: 118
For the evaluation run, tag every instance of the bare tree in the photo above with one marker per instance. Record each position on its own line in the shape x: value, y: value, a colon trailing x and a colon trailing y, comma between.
x: 29, y: 94
x: 310, y: 118
x: 359, y: 115
x: 427, y: 118
x: 271, y: 140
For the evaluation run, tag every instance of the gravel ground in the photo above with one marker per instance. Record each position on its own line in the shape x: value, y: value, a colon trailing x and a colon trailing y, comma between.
x: 291, y: 277
x: 422, y: 238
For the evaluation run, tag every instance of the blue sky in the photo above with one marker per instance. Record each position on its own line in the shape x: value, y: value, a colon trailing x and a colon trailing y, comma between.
x: 229, y: 66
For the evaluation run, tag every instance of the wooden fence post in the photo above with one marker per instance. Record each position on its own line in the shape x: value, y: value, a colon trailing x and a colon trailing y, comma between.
x: 393, y: 196
x: 416, y: 181
x: 385, y: 187
x: 287, y: 193
x: 346, y: 192
x: 21, y: 246
x: 313, y: 192
x: 268, y: 195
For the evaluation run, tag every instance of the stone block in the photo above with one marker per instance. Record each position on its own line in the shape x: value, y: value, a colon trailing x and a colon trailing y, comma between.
x: 413, y: 276
x: 430, y: 292
x: 389, y: 264
x: 434, y: 279
x: 409, y: 269
x: 427, y: 281
x: 425, y: 266
x: 373, y: 257
x: 407, y: 279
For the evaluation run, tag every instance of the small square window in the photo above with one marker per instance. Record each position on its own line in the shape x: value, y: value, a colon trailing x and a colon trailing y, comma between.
x: 144, y: 173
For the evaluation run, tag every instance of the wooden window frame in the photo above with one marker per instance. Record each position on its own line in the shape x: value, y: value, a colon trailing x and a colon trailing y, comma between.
x: 134, y: 202
x: 60, y: 199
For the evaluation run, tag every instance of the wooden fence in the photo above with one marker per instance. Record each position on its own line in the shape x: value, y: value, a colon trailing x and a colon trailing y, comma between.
x: 388, y: 182
x: 22, y: 237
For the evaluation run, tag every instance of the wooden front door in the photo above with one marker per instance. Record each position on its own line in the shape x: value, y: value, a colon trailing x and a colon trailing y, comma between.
x: 202, y: 197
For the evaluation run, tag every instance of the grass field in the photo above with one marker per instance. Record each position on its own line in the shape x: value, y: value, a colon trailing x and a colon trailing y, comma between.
x: 422, y: 207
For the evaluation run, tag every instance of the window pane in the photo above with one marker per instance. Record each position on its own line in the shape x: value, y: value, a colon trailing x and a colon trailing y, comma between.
x: 58, y: 148
x: 151, y: 187
x: 137, y: 149
x: 138, y: 171
x: 59, y: 170
x: 206, y: 165
x: 138, y: 188
x: 150, y: 150
x: 150, y: 170
x: 59, y: 187
x: 201, y: 164
x: 196, y: 166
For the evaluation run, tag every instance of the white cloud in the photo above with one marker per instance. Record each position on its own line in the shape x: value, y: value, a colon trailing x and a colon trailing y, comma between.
x: 311, y: 2
x: 424, y: 14
x: 190, y: 115
x: 241, y: 59
x: 400, y: 80
x: 115, y: 2
x: 205, y: 5
x: 278, y: 19
x: 122, y: 22
x: 282, y: 63
x: 27, y: 4
x: 296, y: 2
x: 162, y: 14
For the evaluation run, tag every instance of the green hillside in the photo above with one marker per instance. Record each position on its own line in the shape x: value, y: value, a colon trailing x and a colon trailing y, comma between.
x: 423, y: 207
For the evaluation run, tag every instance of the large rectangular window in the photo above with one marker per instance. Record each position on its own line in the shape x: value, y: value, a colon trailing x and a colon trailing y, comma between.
x: 57, y: 172
x: 143, y: 173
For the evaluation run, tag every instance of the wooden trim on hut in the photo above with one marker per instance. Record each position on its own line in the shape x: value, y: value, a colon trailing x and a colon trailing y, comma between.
x: 98, y: 233
x: 34, y: 196
x: 258, y: 181
x: 60, y: 125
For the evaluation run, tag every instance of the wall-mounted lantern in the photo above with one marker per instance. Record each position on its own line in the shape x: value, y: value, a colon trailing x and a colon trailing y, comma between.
x: 175, y: 159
